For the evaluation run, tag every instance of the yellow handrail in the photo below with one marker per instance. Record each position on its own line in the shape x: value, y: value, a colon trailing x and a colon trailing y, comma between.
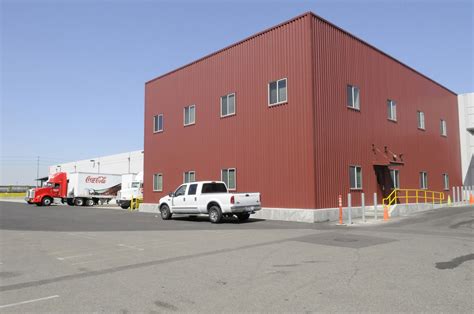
x: 408, y: 194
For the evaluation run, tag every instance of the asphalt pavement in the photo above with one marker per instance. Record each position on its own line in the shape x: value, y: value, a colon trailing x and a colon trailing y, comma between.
x: 83, y: 259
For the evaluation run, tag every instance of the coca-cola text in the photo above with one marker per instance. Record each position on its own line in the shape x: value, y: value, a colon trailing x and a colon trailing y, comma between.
x: 99, y: 179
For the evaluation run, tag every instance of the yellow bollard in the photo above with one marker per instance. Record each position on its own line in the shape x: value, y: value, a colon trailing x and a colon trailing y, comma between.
x: 449, y: 200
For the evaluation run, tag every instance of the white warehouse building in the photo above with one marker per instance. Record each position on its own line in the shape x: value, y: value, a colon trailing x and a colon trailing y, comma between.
x: 131, y: 162
x: 466, y: 136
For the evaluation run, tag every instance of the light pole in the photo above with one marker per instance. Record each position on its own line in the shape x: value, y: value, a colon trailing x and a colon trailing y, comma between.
x: 93, y: 160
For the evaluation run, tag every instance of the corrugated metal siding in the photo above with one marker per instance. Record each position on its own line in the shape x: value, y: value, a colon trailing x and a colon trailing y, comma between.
x: 344, y: 136
x: 271, y: 147
x: 298, y: 154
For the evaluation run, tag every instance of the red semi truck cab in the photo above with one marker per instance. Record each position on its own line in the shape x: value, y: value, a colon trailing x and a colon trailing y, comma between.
x: 56, y: 187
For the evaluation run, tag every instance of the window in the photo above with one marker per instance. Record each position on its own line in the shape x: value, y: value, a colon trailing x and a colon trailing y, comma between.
x: 446, y: 181
x: 180, y: 191
x: 421, y: 120
x: 392, y: 110
x: 189, y: 115
x: 228, y: 105
x: 158, y: 182
x: 189, y: 176
x: 277, y: 93
x: 158, y: 123
x: 228, y: 176
x: 442, y: 128
x: 192, y: 189
x: 213, y: 188
x: 423, y: 180
x: 353, y: 97
x: 395, y: 174
x: 355, y: 176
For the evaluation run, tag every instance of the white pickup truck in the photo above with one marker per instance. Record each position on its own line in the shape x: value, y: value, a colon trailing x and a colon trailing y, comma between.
x: 209, y: 198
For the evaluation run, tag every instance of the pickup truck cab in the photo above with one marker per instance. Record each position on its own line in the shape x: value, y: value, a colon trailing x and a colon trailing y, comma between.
x: 209, y: 198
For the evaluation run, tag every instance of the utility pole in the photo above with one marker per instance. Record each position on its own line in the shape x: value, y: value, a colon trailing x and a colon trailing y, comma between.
x: 37, y: 169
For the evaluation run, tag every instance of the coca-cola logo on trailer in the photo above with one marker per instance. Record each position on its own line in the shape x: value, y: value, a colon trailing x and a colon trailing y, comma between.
x: 99, y: 179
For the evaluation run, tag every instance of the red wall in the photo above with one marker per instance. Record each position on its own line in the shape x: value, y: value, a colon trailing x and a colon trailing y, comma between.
x: 271, y: 147
x: 297, y: 154
x: 344, y: 136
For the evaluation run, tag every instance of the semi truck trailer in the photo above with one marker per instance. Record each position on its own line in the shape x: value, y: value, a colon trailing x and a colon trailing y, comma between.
x: 76, y: 189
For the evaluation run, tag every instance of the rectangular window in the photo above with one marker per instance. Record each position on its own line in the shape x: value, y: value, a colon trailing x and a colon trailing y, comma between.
x: 423, y: 180
x: 157, y: 182
x: 442, y: 128
x: 192, y: 189
x: 190, y: 115
x: 446, y: 181
x: 355, y: 177
x: 213, y: 188
x: 228, y: 105
x: 277, y: 92
x: 391, y: 110
x: 158, y: 123
x: 395, y: 174
x: 353, y: 100
x: 228, y: 177
x: 189, y: 176
x: 421, y: 120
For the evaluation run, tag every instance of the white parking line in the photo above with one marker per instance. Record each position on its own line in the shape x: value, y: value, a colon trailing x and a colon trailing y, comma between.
x: 81, y: 235
x: 131, y: 247
x: 28, y: 301
x: 73, y: 256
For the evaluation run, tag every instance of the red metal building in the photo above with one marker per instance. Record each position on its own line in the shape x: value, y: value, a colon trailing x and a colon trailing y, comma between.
x: 300, y: 112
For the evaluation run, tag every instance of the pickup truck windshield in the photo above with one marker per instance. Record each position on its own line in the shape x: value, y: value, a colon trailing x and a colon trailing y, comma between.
x: 213, y: 188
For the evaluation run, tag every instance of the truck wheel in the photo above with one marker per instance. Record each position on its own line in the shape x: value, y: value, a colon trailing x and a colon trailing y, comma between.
x: 125, y: 206
x: 78, y: 202
x: 90, y: 202
x: 46, y: 201
x: 165, y: 212
x: 215, y: 214
x: 243, y: 217
x: 70, y: 202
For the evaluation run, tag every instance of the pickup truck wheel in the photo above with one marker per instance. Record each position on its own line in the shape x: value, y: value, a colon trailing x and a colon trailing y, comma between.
x: 215, y: 214
x: 243, y: 217
x: 46, y: 201
x: 78, y: 202
x: 89, y: 202
x: 165, y: 212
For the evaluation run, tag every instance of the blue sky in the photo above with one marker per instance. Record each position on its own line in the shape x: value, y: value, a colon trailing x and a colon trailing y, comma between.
x: 73, y: 72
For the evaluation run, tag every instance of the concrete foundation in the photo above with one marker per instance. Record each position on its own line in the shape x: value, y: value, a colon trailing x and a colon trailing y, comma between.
x: 324, y: 214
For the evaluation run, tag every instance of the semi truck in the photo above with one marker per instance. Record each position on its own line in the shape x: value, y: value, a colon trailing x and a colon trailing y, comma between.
x: 76, y: 189
x: 132, y: 187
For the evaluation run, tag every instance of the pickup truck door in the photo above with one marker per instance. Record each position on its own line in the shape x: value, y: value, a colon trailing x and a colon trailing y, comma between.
x: 179, y: 198
x: 191, y: 201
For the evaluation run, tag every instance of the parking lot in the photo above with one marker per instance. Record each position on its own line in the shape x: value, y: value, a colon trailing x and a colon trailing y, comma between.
x: 81, y: 259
